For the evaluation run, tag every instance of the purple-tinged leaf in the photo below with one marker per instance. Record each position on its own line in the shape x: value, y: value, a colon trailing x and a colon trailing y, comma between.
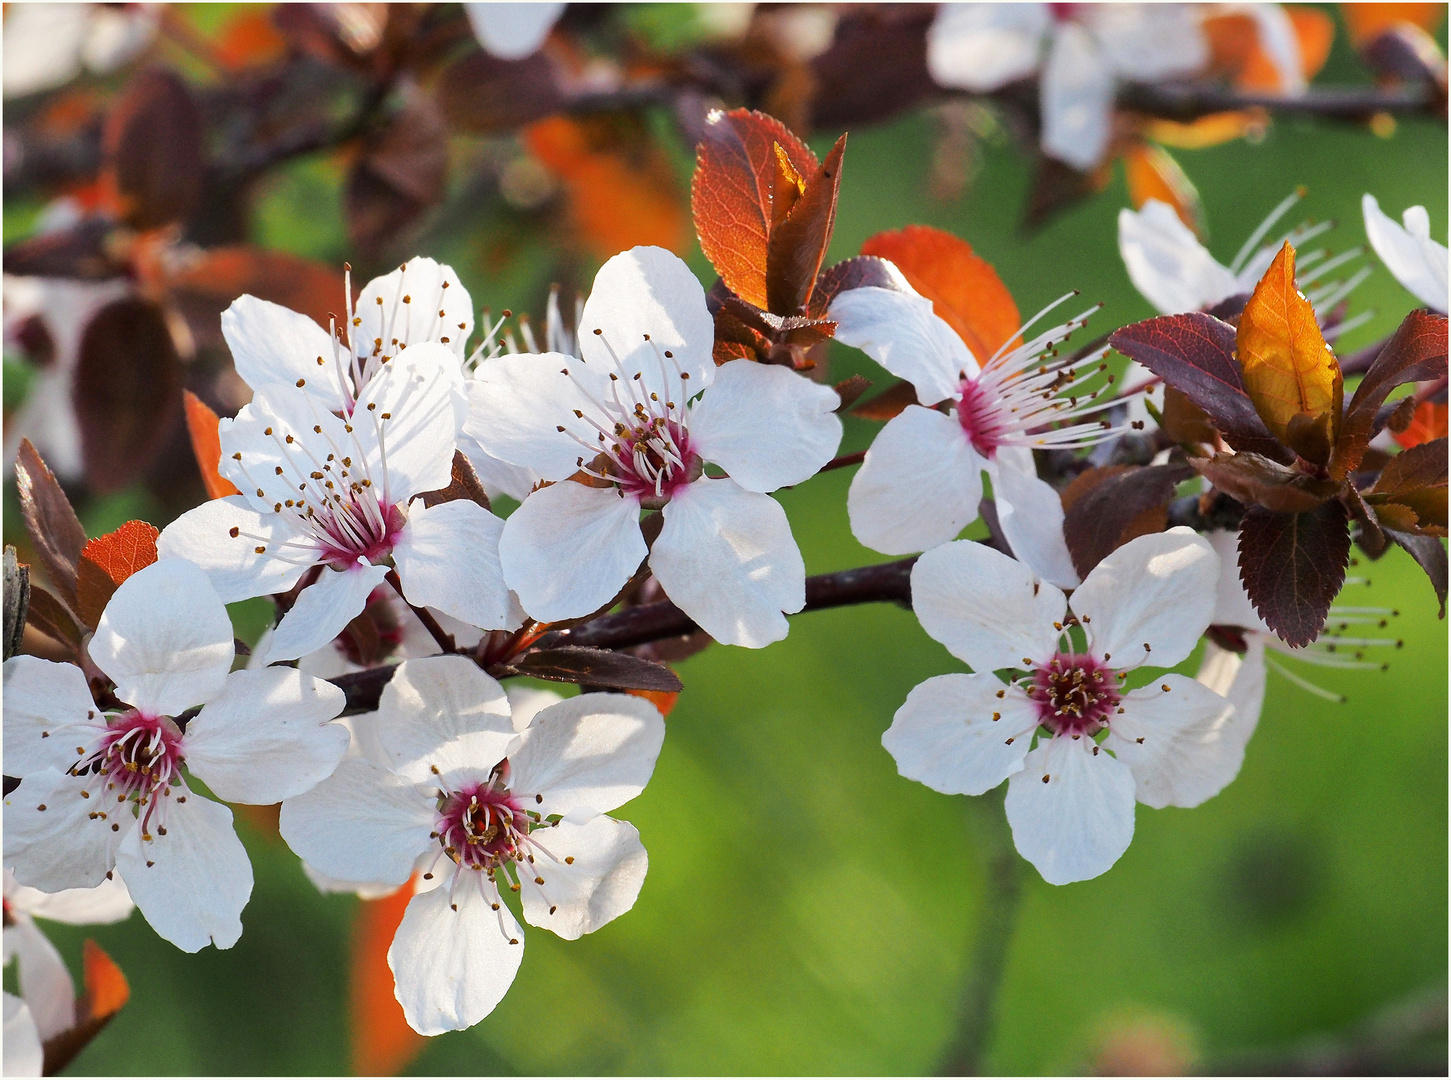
x: 50, y: 617
x: 1258, y: 481
x: 53, y: 526
x: 464, y: 483
x: 1293, y: 566
x: 1415, y: 353
x: 1194, y: 353
x: 153, y: 144
x: 858, y: 272
x: 1115, y: 504
x: 1430, y: 556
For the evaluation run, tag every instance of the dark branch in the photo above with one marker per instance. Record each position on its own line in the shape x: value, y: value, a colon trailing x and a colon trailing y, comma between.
x: 881, y: 583
x: 1187, y: 101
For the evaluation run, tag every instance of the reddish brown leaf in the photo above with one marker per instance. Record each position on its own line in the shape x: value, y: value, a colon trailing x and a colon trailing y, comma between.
x: 483, y: 94
x: 1195, y: 354
x: 401, y: 172
x: 1405, y: 53
x: 383, y: 1043
x: 1293, y: 565
x: 1057, y: 186
x: 1257, y: 481
x: 859, y: 272
x: 50, y: 617
x: 463, y: 484
x: 889, y: 403
x: 1105, y: 508
x: 106, y: 992
x: 127, y: 391
x: 1430, y: 556
x: 53, y: 526
x: 1414, y: 479
x: 1427, y: 421
x: 1415, y: 353
x: 109, y: 560
x: 1183, y: 421
x: 964, y: 288
x: 153, y: 147
x: 597, y: 667
x: 887, y: 40
x: 733, y: 191
x: 797, y: 242
x: 201, y: 423
x: 849, y: 390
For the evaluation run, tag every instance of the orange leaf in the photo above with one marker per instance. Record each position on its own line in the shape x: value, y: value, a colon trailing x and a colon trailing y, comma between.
x: 249, y: 40
x: 621, y: 190
x: 1428, y: 422
x: 664, y: 700
x: 1211, y: 130
x: 965, y: 290
x: 1366, y: 22
x: 109, y: 560
x: 1153, y: 174
x: 383, y: 1043
x: 1289, y: 372
x: 1315, y: 30
x: 207, y: 446
x: 744, y: 167
x: 106, y: 987
x: 223, y: 274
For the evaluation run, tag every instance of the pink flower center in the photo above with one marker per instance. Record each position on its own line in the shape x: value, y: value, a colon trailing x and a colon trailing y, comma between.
x: 354, y: 529
x: 138, y: 755
x: 1075, y: 695
x: 481, y: 826
x: 654, y: 460
x: 980, y: 416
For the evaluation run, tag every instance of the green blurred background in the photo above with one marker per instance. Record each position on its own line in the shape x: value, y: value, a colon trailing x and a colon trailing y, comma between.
x: 808, y: 910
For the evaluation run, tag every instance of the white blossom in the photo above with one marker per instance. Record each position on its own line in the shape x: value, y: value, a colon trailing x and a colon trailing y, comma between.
x: 1417, y: 261
x: 626, y: 427
x: 106, y: 791
x: 1075, y: 745
x: 24, y: 1055
x: 1082, y: 55
x: 921, y: 481
x: 513, y: 31
x: 47, y: 45
x: 482, y: 808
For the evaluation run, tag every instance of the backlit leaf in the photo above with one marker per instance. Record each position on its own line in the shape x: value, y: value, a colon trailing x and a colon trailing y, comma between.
x: 1194, y: 353
x: 206, y: 444
x: 106, y: 992
x: 1365, y: 22
x: 733, y: 194
x: 1287, y: 368
x: 1428, y: 421
x: 53, y: 526
x: 797, y: 242
x: 109, y: 560
x: 965, y: 290
x: 1152, y: 174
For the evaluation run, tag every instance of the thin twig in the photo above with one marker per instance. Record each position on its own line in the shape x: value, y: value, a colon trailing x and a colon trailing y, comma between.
x: 1187, y: 101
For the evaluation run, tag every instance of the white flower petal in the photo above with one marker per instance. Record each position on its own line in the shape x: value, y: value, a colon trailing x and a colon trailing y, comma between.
x: 727, y: 558
x: 447, y: 557
x: 323, y: 609
x: 236, y: 569
x: 23, y: 1052
x: 513, y: 31
x: 593, y: 751
x: 518, y: 403
x: 649, y: 292
x: 362, y: 823
x: 1280, y: 42
x: 1166, y: 262
x: 108, y: 902
x: 454, y: 958
x: 165, y: 638
x: 1232, y: 605
x: 570, y: 548
x: 406, y: 421
x: 526, y: 702
x: 437, y: 307
x: 985, y: 607
x: 961, y: 734
x: 62, y: 846
x: 765, y: 425
x: 1030, y: 514
x: 599, y: 884
x: 1148, y: 42
x: 48, y: 713
x: 899, y: 330
x: 919, y: 485
x: 273, y: 346
x: 193, y: 882
x: 443, y: 713
x: 981, y: 47
x: 42, y: 45
x: 1149, y: 601
x: 266, y: 736
x: 45, y: 984
x: 1076, y: 98
x: 1071, y: 809
x: 496, y: 475
x: 275, y: 443
x: 1239, y: 679
x: 1183, y: 746
x: 1416, y: 261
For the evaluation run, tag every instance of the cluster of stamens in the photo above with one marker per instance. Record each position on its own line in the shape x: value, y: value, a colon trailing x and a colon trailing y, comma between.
x: 1075, y: 694
x: 138, y: 759
x: 1022, y: 390
x: 641, y: 444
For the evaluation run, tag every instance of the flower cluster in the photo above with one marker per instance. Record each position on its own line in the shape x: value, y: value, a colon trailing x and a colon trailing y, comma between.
x: 1111, y: 534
